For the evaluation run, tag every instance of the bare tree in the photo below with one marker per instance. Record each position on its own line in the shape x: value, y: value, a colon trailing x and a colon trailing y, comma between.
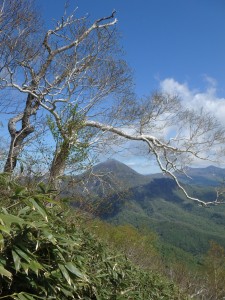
x: 181, y: 136
x: 63, y: 68
x: 77, y: 77
x: 19, y: 22
x: 19, y: 33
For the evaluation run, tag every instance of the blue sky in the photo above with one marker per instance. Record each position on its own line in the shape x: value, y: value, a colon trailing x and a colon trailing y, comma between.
x: 180, y: 39
x: 176, y: 46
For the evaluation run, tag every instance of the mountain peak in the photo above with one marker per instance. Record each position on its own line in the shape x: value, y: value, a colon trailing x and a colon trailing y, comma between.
x: 124, y: 174
x: 212, y: 168
x: 115, y: 166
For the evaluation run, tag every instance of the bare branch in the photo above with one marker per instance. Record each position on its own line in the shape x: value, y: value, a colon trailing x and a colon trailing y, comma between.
x: 155, y: 146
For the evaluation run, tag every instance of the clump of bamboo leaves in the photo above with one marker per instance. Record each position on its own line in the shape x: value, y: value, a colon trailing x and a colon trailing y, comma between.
x: 45, y: 255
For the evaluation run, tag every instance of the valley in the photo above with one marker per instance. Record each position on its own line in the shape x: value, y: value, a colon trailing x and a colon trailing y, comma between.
x: 155, y: 202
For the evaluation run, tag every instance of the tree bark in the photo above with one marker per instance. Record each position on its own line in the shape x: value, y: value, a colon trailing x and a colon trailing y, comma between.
x: 18, y: 137
x: 58, y: 165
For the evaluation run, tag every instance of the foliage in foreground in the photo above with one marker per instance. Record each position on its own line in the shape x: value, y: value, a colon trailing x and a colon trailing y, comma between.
x: 45, y: 257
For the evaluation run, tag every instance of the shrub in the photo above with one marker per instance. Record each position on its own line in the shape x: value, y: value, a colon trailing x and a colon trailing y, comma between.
x: 43, y: 256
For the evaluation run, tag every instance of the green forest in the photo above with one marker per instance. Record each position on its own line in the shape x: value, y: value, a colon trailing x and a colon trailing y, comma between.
x: 74, y: 223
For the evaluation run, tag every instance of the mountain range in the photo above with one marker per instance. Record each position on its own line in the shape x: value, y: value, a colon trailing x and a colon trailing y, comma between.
x: 154, y: 201
x: 208, y: 176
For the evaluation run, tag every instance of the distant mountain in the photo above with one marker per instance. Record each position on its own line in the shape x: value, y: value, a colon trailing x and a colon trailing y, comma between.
x: 211, y: 176
x: 121, y: 173
x: 156, y: 202
x: 160, y: 206
x: 109, y: 177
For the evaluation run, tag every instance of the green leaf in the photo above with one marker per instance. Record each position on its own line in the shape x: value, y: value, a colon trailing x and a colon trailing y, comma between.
x: 46, y: 199
x: 73, y: 269
x: 9, y: 219
x: 20, y: 190
x: 24, y: 210
x: 42, y: 187
x: 25, y: 266
x: 5, y: 229
x: 40, y: 209
x: 24, y: 296
x: 23, y: 254
x: 35, y: 266
x: 67, y: 293
x: 17, y: 261
x: 5, y: 273
x: 65, y: 273
x: 49, y: 236
x: 1, y: 242
x: 5, y: 211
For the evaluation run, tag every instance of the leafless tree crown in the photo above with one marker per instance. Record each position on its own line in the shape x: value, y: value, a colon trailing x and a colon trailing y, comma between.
x: 74, y: 74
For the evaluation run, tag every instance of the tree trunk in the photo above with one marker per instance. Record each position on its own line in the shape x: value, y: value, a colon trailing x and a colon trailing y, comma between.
x: 16, y: 146
x: 18, y: 136
x: 58, y: 165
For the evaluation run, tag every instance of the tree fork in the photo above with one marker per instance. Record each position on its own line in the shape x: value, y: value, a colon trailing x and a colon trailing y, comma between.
x: 19, y: 136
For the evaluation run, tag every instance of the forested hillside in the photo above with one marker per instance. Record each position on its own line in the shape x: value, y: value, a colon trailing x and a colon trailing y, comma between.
x: 182, y: 233
x: 155, y: 201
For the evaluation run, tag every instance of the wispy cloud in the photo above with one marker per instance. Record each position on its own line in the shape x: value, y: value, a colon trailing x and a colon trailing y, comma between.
x: 197, y: 99
x: 191, y: 98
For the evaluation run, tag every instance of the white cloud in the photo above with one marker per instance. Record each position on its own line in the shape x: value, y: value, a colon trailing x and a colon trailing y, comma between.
x: 144, y: 166
x: 136, y: 156
x: 172, y: 87
x: 196, y: 99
